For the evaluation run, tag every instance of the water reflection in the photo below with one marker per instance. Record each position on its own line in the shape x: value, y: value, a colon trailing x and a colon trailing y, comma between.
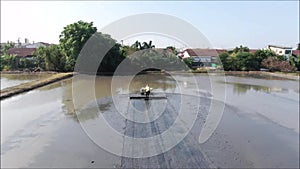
x: 260, y: 76
x: 9, y: 80
x: 34, y: 124
x: 103, y: 89
x: 240, y: 88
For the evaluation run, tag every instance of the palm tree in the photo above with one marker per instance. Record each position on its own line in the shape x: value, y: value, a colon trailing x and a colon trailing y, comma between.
x: 148, y: 45
x: 138, y: 45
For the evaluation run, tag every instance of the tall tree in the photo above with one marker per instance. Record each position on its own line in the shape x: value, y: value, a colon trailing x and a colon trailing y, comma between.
x: 224, y: 57
x: 72, y: 39
x: 114, y: 55
x: 50, y: 58
x: 147, y: 45
x: 137, y: 45
x: 241, y: 49
x: 172, y: 49
x: 7, y: 46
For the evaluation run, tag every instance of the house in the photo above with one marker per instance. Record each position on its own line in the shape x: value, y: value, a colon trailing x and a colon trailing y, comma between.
x: 202, y: 57
x: 252, y: 50
x: 280, y: 50
x: 21, y: 52
x: 38, y: 44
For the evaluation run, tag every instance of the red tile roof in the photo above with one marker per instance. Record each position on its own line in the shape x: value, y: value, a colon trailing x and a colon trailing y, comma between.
x: 296, y: 52
x: 221, y: 50
x: 202, y: 52
x: 21, y: 51
x: 252, y: 50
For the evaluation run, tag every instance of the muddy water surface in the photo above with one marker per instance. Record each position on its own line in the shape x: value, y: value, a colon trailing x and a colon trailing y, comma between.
x: 9, y: 80
x: 259, y: 127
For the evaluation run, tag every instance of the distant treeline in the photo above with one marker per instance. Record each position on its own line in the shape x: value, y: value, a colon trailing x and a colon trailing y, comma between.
x: 240, y: 59
x: 62, y: 57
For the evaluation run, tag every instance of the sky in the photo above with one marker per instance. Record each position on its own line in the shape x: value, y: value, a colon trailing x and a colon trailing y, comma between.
x: 225, y: 24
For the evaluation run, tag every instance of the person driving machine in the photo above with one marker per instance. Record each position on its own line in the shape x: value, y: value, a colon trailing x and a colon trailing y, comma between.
x: 147, y: 90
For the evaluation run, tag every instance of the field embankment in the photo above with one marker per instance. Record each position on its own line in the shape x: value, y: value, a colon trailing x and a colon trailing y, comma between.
x: 24, y: 87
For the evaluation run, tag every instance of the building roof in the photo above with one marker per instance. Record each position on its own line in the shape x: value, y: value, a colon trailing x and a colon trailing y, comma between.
x: 282, y: 47
x: 21, y: 51
x: 296, y: 52
x: 221, y: 50
x: 252, y: 50
x: 202, y: 52
x: 44, y: 43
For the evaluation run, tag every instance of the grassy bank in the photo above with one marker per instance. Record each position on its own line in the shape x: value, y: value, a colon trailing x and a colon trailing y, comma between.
x: 24, y: 87
x: 290, y: 75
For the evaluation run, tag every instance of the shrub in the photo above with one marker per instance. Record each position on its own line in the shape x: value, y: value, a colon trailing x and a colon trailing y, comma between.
x: 277, y: 65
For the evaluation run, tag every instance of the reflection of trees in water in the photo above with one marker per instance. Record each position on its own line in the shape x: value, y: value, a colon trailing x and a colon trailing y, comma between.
x: 240, y: 88
x: 25, y: 76
x: 156, y: 81
x: 103, y: 89
x: 259, y: 76
x: 56, y: 85
x: 92, y: 112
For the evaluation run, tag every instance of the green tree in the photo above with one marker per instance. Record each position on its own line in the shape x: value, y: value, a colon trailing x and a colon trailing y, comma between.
x: 295, y: 62
x: 147, y: 45
x: 224, y: 57
x: 113, y: 57
x: 50, y: 58
x: 128, y: 50
x: 280, y: 57
x: 72, y: 39
x: 40, y: 55
x: 273, y: 64
x: 8, y: 62
x: 172, y: 49
x: 7, y: 46
x: 189, y: 61
x: 298, y: 46
x: 138, y: 46
x: 156, y: 58
x: 240, y: 49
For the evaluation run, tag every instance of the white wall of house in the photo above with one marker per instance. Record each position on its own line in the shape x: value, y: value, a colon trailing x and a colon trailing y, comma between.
x: 281, y: 50
x: 186, y: 54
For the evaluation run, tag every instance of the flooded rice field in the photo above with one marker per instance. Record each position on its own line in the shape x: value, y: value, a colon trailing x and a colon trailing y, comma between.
x: 56, y: 126
x: 9, y: 80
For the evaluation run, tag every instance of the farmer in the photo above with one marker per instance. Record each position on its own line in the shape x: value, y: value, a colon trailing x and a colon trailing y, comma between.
x: 147, y: 90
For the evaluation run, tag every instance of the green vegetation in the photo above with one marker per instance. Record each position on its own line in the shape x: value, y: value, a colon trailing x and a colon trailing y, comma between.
x: 62, y: 57
x: 7, y: 46
x: 156, y: 58
x: 8, y: 62
x: 72, y: 39
x: 188, y: 62
x: 51, y: 58
x: 137, y: 45
x: 240, y: 59
x: 113, y: 57
x: 274, y: 64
